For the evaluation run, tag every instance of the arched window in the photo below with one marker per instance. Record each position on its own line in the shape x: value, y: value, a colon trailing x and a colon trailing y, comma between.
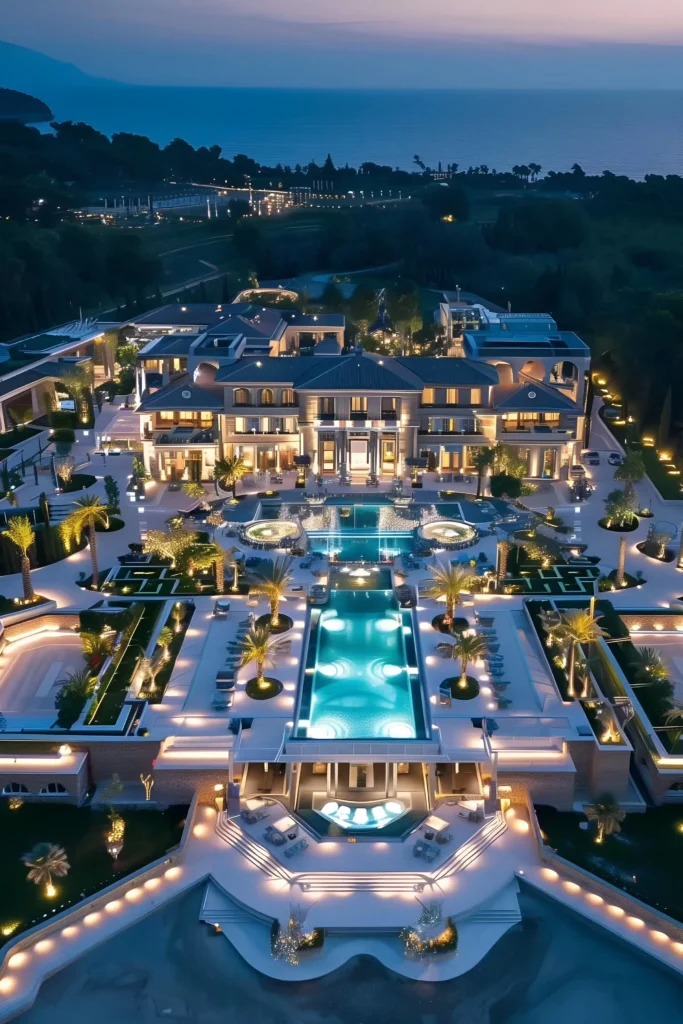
x: 53, y: 789
x: 288, y: 397
x: 241, y: 396
x: 267, y: 397
x: 15, y: 787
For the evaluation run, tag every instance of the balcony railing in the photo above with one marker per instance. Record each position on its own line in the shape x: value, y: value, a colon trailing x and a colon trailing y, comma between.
x: 273, y: 433
x: 449, y: 433
x: 545, y: 429
x: 183, y: 436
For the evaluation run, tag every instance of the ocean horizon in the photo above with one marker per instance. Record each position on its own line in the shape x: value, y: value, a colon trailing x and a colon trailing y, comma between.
x: 634, y: 133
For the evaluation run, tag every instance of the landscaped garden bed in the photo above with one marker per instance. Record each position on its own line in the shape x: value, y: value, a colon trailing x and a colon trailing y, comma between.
x: 458, y: 691
x: 608, y: 524
x: 654, y: 698
x: 49, y: 547
x: 269, y: 688
x: 644, y: 859
x: 178, y: 622
x: 16, y: 604
x: 117, y: 679
x: 80, y: 832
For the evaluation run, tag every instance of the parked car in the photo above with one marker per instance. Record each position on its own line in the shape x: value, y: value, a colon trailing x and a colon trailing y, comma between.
x: 615, y: 459
x: 592, y: 458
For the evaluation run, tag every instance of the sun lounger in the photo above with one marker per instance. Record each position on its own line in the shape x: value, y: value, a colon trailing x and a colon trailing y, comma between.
x: 251, y: 817
x: 297, y: 847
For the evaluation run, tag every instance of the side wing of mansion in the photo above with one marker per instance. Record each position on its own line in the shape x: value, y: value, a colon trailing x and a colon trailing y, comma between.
x: 273, y: 386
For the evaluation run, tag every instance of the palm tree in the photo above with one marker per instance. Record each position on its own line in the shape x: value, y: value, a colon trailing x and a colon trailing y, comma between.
x: 649, y: 667
x: 630, y: 472
x: 88, y: 514
x: 46, y: 861
x: 482, y: 458
x: 449, y: 582
x: 467, y: 649
x: 97, y: 647
x: 574, y: 628
x: 178, y: 614
x: 170, y: 543
x: 607, y: 814
x: 271, y: 580
x: 20, y: 532
x: 261, y: 647
x: 229, y: 470
x: 165, y: 640
x: 232, y: 563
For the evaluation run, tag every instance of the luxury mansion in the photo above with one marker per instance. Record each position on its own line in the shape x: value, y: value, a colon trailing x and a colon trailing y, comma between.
x: 278, y: 390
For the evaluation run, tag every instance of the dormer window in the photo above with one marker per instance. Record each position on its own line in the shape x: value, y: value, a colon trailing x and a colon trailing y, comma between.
x: 267, y: 397
x: 241, y: 396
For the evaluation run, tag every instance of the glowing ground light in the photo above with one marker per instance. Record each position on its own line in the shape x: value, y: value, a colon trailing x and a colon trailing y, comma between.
x: 391, y: 671
x: 333, y: 625
x: 398, y: 731
x: 387, y: 625
x: 323, y: 731
x: 329, y: 670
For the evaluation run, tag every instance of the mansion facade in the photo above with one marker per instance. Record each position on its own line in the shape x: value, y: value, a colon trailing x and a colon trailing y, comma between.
x: 279, y: 390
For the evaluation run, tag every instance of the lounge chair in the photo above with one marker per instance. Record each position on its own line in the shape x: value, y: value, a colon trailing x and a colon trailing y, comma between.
x: 297, y: 847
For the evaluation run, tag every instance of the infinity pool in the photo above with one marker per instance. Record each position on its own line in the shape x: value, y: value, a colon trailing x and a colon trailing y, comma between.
x: 361, y: 679
x: 361, y: 547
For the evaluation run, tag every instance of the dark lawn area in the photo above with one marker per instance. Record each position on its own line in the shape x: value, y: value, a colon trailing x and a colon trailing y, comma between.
x: 645, y: 858
x: 17, y: 435
x: 80, y: 831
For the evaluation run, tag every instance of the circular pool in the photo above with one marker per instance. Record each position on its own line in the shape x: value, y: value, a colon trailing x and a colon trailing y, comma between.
x: 448, y: 533
x: 352, y: 815
x: 271, y: 532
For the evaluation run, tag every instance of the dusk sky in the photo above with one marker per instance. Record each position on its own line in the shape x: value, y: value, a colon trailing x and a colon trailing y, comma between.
x: 430, y: 43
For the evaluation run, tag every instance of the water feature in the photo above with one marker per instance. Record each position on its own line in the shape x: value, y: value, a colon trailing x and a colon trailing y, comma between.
x: 361, y: 680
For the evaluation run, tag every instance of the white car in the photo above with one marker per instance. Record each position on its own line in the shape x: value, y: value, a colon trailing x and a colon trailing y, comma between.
x: 615, y: 459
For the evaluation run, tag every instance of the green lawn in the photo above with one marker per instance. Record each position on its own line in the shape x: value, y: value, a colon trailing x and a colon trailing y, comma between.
x: 644, y: 859
x: 80, y: 831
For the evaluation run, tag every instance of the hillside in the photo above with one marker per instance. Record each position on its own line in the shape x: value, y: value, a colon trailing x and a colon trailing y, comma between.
x: 19, y: 106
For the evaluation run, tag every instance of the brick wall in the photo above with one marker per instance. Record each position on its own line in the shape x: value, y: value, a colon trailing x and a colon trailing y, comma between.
x: 53, y: 620
x: 75, y: 785
x: 651, y: 620
x: 553, y: 788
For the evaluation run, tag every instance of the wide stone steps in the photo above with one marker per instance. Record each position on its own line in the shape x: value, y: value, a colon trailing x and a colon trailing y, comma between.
x: 343, y: 881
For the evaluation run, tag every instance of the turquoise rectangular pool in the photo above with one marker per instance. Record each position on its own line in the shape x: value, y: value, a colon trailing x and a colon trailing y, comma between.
x: 361, y: 678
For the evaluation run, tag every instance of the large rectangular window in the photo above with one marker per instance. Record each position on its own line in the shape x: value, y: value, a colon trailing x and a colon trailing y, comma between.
x: 451, y: 396
x: 450, y: 460
x: 359, y: 403
x: 428, y: 396
x: 326, y: 407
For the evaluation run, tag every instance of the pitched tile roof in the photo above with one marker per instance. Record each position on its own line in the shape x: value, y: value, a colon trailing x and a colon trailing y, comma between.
x: 531, y: 397
x: 183, y: 394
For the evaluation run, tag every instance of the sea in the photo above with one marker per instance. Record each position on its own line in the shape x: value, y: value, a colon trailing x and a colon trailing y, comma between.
x: 627, y: 132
